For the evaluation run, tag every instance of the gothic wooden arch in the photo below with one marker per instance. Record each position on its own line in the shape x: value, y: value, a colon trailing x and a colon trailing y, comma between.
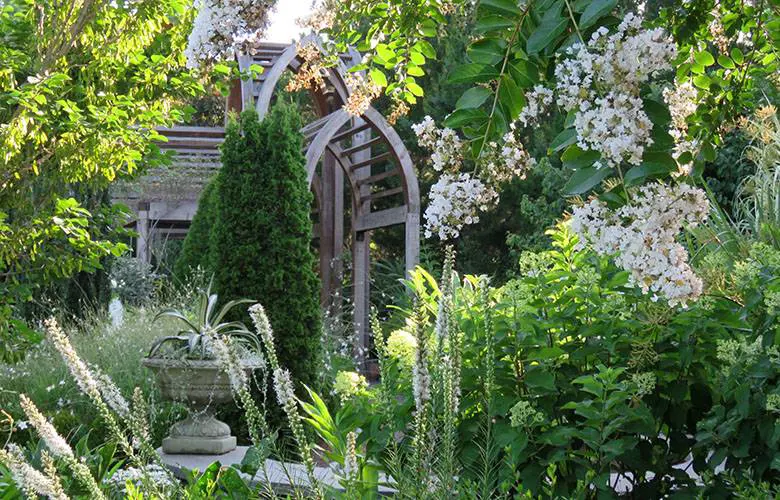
x: 364, y: 153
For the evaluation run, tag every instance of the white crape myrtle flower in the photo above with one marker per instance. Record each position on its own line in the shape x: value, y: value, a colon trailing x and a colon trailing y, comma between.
x: 455, y: 201
x: 616, y: 126
x: 502, y: 162
x: 426, y: 132
x: 538, y: 100
x: 600, y: 82
x: 445, y: 145
x: 54, y: 442
x: 642, y: 236
x: 222, y: 28
x: 681, y: 100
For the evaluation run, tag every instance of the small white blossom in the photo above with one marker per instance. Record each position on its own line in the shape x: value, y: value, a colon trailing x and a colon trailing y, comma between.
x: 538, y: 101
x: 223, y: 28
x: 30, y: 480
x: 455, y: 201
x: 56, y: 443
x: 283, y: 386
x: 642, y: 236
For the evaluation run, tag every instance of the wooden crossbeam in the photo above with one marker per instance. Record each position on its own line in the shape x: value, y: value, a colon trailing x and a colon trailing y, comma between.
x: 381, y: 194
x: 378, y: 177
x: 382, y: 218
x: 313, y: 127
x: 376, y: 159
x: 361, y: 146
x: 351, y: 132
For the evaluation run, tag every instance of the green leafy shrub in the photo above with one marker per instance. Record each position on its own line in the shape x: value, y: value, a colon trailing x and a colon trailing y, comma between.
x: 195, y: 250
x: 261, y: 236
x: 575, y: 384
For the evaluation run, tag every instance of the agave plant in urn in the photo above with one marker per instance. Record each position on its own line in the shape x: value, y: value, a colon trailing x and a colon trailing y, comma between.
x: 187, y: 372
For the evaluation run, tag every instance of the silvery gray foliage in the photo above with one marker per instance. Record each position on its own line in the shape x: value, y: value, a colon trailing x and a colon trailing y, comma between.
x: 133, y: 281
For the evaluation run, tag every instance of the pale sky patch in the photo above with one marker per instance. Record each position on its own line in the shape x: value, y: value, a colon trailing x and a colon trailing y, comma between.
x: 283, y: 26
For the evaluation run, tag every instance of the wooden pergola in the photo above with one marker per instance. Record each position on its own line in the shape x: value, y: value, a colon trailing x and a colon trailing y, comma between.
x: 363, y: 154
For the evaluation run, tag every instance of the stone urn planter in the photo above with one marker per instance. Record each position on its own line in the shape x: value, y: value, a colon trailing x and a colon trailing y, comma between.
x: 201, y: 386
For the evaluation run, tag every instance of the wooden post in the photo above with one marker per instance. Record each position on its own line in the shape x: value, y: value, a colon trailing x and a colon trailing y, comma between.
x: 327, y: 231
x: 360, y: 283
x: 142, y: 226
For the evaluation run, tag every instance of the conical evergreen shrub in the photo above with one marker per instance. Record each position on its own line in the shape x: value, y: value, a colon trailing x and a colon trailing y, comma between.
x: 195, y: 250
x: 260, y: 247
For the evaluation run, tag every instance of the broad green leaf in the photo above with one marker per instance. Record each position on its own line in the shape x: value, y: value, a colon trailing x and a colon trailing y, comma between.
x: 702, y: 81
x: 415, y: 89
x: 726, y: 62
x: 654, y: 165
x: 525, y: 73
x: 566, y: 138
x: 487, y: 51
x: 737, y: 55
x: 540, y: 379
x: 511, y: 97
x: 486, y: 24
x: 417, y: 58
x: 503, y: 6
x: 378, y: 77
x: 461, y: 117
x: 704, y: 58
x: 473, y: 98
x: 585, y: 179
x: 553, y: 24
x: 472, y: 73
x: 415, y: 70
x: 657, y: 112
x: 426, y: 48
x: 594, y: 11
x: 575, y: 157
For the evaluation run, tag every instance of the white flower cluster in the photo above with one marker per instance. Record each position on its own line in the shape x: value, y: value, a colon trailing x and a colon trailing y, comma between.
x: 54, y: 442
x: 503, y: 162
x: 455, y: 201
x: 30, y: 480
x: 223, y: 28
x: 457, y: 198
x: 616, y: 126
x: 600, y: 81
x: 229, y: 362
x: 524, y: 414
x: 643, y: 234
x: 538, y: 101
x: 445, y: 145
x: 283, y: 386
x: 154, y: 473
x: 682, y: 103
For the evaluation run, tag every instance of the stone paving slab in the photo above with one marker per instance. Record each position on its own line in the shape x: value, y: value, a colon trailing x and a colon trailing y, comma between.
x: 277, y: 473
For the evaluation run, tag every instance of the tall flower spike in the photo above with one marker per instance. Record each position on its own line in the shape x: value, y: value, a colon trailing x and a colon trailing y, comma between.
x: 228, y: 360
x: 30, y: 480
x: 81, y: 373
x: 421, y: 378
x: 266, y: 333
x: 51, y: 472
x: 56, y: 443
